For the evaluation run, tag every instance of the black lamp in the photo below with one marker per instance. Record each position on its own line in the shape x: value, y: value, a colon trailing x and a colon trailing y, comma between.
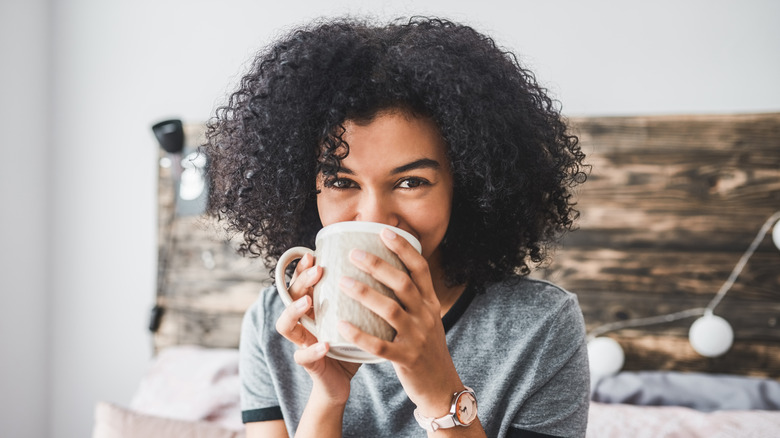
x: 170, y: 135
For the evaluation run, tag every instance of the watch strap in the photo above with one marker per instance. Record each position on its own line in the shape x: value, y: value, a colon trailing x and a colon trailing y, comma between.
x: 433, y: 424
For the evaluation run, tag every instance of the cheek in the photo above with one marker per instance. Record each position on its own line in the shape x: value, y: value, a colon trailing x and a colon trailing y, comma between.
x: 431, y: 224
x: 328, y: 210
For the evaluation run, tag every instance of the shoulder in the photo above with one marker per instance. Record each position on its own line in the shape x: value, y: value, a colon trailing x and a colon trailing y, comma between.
x: 531, y: 306
x: 259, y: 342
x: 267, y: 299
x: 264, y: 310
x: 529, y: 294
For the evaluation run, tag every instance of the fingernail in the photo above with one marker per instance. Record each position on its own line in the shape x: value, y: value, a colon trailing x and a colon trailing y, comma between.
x: 388, y: 234
x: 358, y: 254
x: 347, y: 282
x: 311, y: 272
x: 321, y: 348
x: 302, y: 303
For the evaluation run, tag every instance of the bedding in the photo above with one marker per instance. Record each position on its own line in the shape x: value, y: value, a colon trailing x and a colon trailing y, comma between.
x: 113, y: 421
x: 191, y: 391
x: 621, y: 421
x: 193, y: 384
x: 700, y: 391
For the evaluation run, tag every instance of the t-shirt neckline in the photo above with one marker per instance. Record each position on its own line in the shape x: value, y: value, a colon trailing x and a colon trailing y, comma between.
x: 459, y: 308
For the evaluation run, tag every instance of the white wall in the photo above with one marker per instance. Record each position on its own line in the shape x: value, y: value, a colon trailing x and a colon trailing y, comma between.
x: 24, y: 253
x: 75, y: 301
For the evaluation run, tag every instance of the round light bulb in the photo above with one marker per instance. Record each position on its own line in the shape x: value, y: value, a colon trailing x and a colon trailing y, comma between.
x: 776, y: 234
x: 605, y: 356
x: 711, y: 335
x: 192, y: 184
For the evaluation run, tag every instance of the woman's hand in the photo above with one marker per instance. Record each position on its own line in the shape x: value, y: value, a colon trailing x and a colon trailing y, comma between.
x: 330, y: 377
x: 419, y: 351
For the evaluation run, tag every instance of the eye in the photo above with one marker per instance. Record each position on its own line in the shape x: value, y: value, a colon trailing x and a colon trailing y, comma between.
x: 340, y: 183
x: 412, y: 183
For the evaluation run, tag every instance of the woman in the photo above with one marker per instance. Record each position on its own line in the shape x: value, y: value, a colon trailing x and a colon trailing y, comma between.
x: 430, y: 127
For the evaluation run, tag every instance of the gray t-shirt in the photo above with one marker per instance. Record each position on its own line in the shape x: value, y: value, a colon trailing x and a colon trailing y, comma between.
x: 519, y: 344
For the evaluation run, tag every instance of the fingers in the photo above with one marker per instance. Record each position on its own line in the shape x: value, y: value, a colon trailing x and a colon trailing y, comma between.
x: 288, y: 326
x: 306, y: 275
x: 408, y: 288
x: 414, y: 262
x: 366, y: 342
x: 411, y: 328
x: 384, y: 306
x: 307, y: 356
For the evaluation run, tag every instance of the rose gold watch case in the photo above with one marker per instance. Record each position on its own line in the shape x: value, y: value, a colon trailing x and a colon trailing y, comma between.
x: 465, y: 407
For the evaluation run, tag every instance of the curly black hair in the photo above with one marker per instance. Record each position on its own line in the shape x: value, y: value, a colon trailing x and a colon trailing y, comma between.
x: 514, y: 163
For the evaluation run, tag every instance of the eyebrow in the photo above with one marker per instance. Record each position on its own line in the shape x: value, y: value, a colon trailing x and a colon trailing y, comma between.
x: 423, y: 163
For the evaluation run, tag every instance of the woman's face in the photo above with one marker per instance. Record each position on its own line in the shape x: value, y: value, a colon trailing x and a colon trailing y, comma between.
x: 396, y: 173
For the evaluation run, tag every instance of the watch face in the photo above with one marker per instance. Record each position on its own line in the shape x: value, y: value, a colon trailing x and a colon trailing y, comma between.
x: 466, y: 409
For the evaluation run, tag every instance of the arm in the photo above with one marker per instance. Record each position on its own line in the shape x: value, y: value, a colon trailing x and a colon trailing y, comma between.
x: 419, y: 352
x: 323, y: 415
x: 257, y: 390
x: 266, y: 429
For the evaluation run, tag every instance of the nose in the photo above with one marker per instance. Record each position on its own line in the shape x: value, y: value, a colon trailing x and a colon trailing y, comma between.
x: 374, y: 207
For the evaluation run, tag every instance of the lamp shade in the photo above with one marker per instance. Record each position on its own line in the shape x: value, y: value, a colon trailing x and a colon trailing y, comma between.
x: 170, y: 135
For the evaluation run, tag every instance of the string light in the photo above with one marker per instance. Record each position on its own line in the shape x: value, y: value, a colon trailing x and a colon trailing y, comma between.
x: 710, y: 335
x: 608, y: 355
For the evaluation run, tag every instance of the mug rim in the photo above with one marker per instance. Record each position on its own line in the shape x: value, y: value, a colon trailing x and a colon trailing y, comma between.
x: 367, y: 227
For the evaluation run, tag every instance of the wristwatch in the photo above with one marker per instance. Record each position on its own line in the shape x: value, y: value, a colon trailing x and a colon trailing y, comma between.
x: 463, y: 412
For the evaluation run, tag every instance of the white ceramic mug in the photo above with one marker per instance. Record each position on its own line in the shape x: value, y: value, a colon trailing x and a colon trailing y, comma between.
x: 333, y: 245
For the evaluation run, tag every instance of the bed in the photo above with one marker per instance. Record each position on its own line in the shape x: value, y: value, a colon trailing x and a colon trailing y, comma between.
x: 671, y: 205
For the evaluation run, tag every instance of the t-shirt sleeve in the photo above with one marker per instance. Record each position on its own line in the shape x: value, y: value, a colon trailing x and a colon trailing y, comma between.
x: 559, y: 404
x: 259, y: 401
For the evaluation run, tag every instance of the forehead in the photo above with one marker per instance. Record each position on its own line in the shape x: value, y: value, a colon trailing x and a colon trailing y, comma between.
x: 394, y: 138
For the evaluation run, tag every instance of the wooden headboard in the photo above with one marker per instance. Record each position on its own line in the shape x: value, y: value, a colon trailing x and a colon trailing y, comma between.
x: 671, y: 204
x: 204, y: 285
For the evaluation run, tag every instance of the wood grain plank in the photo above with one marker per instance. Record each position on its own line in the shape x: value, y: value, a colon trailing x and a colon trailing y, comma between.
x: 750, y: 319
x: 659, y: 273
x: 672, y: 181
x: 648, y: 351
x: 671, y: 204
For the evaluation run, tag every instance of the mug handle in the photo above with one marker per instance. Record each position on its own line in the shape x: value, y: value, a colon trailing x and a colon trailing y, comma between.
x: 281, y: 286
